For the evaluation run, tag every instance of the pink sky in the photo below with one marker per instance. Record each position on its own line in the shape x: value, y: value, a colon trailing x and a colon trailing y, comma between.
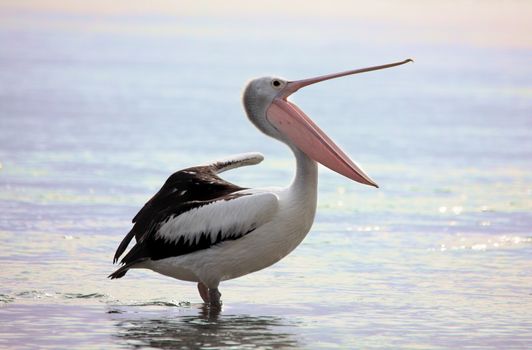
x: 474, y: 23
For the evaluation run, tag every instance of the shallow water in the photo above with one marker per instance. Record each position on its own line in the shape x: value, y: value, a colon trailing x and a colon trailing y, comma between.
x: 96, y: 110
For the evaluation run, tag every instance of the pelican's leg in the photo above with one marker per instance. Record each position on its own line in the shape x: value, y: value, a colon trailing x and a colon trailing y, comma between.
x: 203, y: 292
x: 214, y: 297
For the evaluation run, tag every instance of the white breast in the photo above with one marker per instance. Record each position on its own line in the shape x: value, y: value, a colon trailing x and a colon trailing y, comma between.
x: 269, y: 243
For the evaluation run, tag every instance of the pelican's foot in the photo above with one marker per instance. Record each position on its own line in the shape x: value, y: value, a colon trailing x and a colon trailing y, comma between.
x: 209, y: 296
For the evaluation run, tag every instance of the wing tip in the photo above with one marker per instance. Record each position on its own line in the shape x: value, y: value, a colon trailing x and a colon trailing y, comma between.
x: 237, y: 161
x: 121, y: 272
x: 123, y: 245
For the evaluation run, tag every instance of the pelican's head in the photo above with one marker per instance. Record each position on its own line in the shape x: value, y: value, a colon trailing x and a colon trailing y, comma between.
x: 258, y: 96
x: 266, y: 105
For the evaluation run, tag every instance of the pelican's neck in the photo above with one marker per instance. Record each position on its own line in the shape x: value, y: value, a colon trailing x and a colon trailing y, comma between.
x: 304, y: 187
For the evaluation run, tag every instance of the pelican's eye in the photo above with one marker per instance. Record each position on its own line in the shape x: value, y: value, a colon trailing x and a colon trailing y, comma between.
x: 276, y: 83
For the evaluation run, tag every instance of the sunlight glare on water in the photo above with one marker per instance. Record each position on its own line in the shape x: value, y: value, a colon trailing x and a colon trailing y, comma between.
x: 101, y: 101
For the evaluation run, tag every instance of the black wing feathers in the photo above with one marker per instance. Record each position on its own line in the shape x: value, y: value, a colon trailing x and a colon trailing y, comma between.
x: 183, y: 191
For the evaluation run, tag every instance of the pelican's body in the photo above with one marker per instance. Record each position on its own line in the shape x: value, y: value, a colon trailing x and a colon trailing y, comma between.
x: 203, y: 229
x: 284, y: 217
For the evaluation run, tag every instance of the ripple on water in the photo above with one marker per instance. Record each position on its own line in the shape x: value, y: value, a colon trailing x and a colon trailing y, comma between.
x: 5, y: 299
x: 33, y: 294
x: 479, y: 242
x: 162, y: 303
x: 39, y: 294
x: 200, y: 326
x: 84, y: 296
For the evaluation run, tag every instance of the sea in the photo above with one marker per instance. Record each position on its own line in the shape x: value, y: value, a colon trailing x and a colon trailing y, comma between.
x: 100, y: 102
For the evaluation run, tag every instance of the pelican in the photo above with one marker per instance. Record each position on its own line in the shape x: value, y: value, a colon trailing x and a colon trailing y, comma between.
x: 201, y: 228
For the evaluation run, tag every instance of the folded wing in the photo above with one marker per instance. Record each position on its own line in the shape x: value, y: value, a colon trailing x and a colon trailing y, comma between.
x: 194, y: 210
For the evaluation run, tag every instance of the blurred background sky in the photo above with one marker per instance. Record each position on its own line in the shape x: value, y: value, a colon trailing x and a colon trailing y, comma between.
x: 489, y: 23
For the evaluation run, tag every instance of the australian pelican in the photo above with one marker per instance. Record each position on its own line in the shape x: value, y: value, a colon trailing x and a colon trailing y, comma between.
x: 203, y: 229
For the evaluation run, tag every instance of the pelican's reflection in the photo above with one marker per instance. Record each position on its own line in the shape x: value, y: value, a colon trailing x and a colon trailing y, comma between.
x: 201, y: 327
